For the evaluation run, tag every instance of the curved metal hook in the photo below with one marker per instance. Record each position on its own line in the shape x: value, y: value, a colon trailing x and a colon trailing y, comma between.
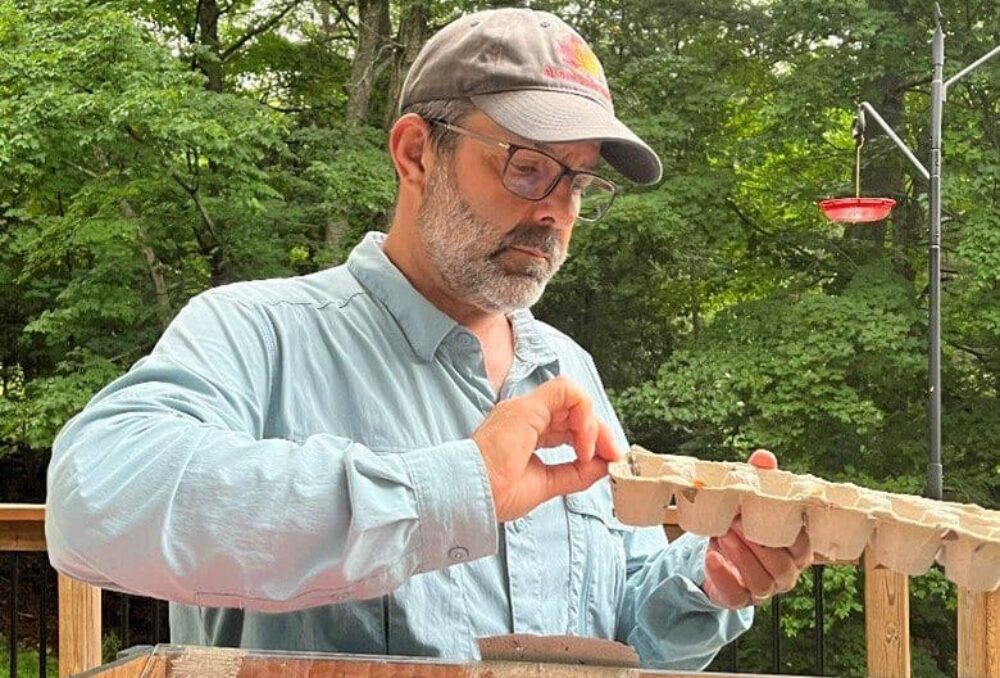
x: 858, y: 129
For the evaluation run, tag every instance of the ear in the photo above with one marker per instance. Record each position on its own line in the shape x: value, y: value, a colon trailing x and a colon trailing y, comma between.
x: 411, y: 151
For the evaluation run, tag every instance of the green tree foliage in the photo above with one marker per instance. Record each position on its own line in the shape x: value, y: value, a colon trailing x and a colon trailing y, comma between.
x: 151, y: 149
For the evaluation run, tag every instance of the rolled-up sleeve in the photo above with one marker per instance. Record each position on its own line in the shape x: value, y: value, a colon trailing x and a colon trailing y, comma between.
x: 665, y: 615
x: 164, y: 486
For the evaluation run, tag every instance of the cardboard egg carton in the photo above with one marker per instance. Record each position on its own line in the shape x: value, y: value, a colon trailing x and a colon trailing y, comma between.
x: 907, y: 533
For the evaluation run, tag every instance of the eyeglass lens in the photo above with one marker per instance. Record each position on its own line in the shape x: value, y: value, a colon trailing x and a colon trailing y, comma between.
x: 532, y: 175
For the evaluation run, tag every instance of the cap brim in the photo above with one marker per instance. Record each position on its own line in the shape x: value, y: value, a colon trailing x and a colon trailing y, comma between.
x: 556, y: 117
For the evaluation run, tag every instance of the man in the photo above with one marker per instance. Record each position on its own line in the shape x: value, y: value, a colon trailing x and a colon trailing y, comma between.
x: 392, y: 456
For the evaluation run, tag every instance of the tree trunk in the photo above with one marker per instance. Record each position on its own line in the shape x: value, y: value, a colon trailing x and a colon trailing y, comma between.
x: 336, y: 226
x: 210, y: 63
x: 413, y: 33
x: 153, y: 264
x: 323, y: 9
x: 373, y: 31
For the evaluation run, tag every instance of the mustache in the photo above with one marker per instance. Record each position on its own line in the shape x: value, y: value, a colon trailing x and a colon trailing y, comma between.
x: 541, y: 238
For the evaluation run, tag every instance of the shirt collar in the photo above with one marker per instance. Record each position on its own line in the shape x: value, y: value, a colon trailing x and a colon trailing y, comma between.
x: 530, y: 344
x: 422, y: 323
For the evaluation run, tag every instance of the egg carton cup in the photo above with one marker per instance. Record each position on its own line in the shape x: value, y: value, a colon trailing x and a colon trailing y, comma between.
x: 906, y: 533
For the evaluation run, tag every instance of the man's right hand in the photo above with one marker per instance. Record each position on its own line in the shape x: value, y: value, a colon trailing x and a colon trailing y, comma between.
x: 555, y: 413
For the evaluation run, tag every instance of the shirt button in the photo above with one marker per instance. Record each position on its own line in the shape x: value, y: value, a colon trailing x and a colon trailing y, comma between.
x: 458, y: 553
x: 466, y: 341
x: 518, y: 525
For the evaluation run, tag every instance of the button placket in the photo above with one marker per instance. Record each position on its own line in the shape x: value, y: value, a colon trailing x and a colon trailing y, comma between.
x: 522, y: 573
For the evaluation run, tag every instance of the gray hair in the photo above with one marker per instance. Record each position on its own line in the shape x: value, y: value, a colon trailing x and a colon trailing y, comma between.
x: 449, y: 110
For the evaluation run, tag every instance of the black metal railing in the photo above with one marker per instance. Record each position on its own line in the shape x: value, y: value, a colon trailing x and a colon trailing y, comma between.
x: 731, y: 651
x: 38, y: 564
x: 119, y: 609
x: 28, y: 580
x: 120, y: 615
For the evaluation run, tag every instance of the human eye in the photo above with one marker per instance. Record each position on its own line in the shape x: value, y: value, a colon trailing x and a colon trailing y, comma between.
x: 527, y: 165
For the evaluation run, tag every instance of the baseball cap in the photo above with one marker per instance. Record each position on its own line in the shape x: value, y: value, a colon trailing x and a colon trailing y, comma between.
x: 533, y: 75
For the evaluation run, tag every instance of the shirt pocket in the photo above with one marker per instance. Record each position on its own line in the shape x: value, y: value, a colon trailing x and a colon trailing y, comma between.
x: 597, y: 555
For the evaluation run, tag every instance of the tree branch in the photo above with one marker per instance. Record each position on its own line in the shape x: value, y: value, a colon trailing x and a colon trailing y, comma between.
x: 913, y: 85
x: 261, y: 27
x: 344, y: 16
x: 228, y: 8
x: 974, y: 352
x: 153, y: 264
x: 193, y: 33
x: 206, y: 218
x: 299, y: 109
x: 754, y: 227
x: 81, y: 168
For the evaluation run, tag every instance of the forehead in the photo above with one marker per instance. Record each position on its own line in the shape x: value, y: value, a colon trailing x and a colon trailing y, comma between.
x: 579, y: 154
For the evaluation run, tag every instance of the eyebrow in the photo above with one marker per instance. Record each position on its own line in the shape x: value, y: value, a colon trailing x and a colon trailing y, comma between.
x: 544, y: 147
x: 547, y: 148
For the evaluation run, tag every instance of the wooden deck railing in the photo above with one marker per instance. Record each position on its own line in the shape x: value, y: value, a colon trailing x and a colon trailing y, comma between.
x: 887, y: 623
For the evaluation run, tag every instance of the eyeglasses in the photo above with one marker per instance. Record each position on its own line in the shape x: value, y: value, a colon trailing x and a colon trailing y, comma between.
x: 532, y: 175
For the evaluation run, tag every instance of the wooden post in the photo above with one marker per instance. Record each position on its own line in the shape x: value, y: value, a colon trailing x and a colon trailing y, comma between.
x: 978, y: 634
x: 887, y: 621
x: 79, y: 626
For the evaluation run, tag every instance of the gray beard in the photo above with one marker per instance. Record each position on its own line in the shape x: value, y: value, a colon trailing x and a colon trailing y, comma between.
x: 469, y: 253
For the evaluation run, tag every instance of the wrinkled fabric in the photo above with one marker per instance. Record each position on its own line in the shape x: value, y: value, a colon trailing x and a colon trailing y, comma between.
x: 293, y: 467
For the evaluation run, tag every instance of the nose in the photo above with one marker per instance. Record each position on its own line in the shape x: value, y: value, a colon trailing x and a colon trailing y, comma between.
x: 560, y: 207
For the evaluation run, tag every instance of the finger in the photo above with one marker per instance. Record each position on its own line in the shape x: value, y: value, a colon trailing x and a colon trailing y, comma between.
x: 757, y: 579
x: 570, y: 477
x: 722, y: 584
x: 571, y: 414
x: 562, y: 433
x: 546, y: 405
x: 556, y: 436
x: 580, y: 411
x: 778, y: 562
x: 801, y: 550
x: 585, y: 440
x: 763, y: 459
x: 557, y: 394
x: 605, y: 447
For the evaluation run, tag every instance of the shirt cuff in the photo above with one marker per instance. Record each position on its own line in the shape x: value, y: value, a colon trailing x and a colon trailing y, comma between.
x: 457, y: 519
x: 690, y: 551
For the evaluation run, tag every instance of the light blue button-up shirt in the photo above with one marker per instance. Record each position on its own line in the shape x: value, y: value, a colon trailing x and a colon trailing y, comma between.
x: 292, y: 465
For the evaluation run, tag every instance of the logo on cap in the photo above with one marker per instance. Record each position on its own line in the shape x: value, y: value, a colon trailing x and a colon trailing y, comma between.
x: 577, y: 54
x: 580, y: 66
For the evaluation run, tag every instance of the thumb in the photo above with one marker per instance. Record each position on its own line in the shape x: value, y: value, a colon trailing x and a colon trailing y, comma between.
x: 723, y: 584
x: 570, y: 477
x: 763, y: 459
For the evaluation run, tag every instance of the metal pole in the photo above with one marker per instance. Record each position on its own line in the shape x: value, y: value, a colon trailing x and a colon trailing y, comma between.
x: 891, y: 133
x: 776, y: 634
x: 934, y: 468
x: 818, y: 619
x: 971, y: 67
x: 939, y: 91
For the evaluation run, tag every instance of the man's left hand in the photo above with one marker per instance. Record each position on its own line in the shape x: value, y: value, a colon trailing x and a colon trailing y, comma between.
x: 739, y: 572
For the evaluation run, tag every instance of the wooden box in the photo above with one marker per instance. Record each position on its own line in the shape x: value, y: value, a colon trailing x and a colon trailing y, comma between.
x: 180, y: 661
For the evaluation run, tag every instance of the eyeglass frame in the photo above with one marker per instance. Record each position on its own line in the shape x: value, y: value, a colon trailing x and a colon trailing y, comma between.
x: 513, y: 148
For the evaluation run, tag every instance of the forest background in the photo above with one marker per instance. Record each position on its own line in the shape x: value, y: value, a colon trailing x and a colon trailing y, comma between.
x: 151, y: 149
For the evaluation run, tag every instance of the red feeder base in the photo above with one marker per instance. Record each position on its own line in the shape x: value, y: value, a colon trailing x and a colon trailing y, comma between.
x: 857, y: 210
